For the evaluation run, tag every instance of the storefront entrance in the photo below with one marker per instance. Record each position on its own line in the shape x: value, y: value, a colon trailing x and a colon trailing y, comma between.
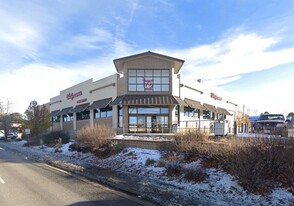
x: 148, y: 124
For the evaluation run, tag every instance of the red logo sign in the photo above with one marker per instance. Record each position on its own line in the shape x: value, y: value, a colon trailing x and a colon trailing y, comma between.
x: 215, y: 97
x: 73, y: 95
x: 148, y: 84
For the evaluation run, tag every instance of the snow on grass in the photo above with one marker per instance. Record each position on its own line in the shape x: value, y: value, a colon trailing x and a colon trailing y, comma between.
x: 219, y: 188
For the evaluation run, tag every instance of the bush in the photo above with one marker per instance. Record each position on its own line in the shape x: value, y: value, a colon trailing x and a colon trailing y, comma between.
x: 97, y: 136
x: 55, y: 138
x: 189, y: 139
x: 259, y: 164
x: 174, y: 168
x: 195, y: 174
x: 97, y: 140
x: 150, y: 162
x: 160, y: 163
x: 32, y: 141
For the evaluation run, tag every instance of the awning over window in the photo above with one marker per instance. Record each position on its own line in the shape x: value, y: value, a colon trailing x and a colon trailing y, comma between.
x: 81, y: 108
x: 149, y: 100
x: 210, y: 108
x: 65, y: 111
x: 118, y: 100
x: 146, y: 100
x: 180, y: 101
x: 100, y: 104
x: 54, y: 113
x: 223, y: 111
x: 194, y: 104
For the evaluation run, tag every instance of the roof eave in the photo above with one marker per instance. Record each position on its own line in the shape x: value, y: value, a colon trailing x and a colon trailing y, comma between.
x: 178, y: 63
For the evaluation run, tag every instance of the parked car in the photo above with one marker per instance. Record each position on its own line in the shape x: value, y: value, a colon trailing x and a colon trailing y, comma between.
x: 270, y: 124
x: 12, y: 136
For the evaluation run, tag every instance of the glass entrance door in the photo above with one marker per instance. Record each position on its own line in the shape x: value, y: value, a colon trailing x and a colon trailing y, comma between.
x: 149, y: 124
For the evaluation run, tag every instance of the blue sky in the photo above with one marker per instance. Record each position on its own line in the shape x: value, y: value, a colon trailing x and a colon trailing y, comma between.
x: 243, y: 46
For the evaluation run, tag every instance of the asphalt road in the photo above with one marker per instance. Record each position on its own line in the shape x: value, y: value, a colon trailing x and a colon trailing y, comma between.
x: 24, y: 182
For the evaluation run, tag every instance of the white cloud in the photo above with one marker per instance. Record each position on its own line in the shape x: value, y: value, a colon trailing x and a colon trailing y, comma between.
x: 274, y: 97
x: 91, y: 40
x: 232, y: 56
x: 34, y: 82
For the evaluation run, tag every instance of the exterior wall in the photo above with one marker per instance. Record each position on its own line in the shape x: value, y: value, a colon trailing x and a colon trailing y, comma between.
x: 103, y: 121
x: 56, y: 126
x: 85, y: 92
x: 142, y: 63
x: 82, y: 124
x: 175, y: 84
x: 68, y: 126
x: 90, y: 92
x: 201, y: 92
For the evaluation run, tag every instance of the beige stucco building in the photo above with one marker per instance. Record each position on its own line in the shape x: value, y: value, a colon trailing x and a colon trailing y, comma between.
x: 146, y: 95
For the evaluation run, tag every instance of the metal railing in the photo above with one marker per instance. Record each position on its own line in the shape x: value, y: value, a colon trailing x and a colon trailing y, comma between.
x: 206, y: 126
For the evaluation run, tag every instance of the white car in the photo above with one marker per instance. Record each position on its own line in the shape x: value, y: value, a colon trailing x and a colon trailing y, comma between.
x: 9, y: 136
x: 12, y: 135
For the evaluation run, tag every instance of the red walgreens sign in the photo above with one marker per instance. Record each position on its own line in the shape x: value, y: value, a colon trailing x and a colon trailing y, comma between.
x: 215, y: 97
x: 148, y: 84
x: 74, y: 95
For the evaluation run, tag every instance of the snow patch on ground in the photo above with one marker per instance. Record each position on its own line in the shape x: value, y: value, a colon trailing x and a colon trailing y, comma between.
x: 219, y: 188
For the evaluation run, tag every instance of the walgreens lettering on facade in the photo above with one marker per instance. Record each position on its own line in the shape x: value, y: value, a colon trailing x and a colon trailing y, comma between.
x: 73, y: 95
x: 215, y: 97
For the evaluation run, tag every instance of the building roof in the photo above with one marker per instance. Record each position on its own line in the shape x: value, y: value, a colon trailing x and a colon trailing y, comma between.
x: 119, y: 62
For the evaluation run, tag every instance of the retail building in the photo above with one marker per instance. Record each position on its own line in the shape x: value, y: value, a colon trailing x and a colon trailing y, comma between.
x: 146, y: 95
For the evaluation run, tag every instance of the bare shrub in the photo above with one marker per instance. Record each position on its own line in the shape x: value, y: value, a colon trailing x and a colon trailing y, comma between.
x: 189, y: 139
x: 262, y: 163
x: 33, y: 141
x: 96, y: 136
x: 55, y: 138
x: 258, y: 163
x: 150, y: 162
x: 174, y: 168
x: 160, y: 163
x: 172, y: 156
x: 195, y: 174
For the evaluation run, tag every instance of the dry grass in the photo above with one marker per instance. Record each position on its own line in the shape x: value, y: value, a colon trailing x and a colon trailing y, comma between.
x: 97, y: 140
x: 96, y: 136
x: 189, y: 139
x: 258, y: 163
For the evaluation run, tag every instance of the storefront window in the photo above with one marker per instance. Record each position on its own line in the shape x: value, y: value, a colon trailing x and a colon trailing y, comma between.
x: 67, y: 118
x: 103, y: 112
x: 148, y: 110
x: 208, y: 115
x: 133, y: 110
x: 148, y: 80
x: 191, y: 112
x: 83, y: 115
x: 120, y: 116
x: 56, y: 119
x: 150, y: 119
